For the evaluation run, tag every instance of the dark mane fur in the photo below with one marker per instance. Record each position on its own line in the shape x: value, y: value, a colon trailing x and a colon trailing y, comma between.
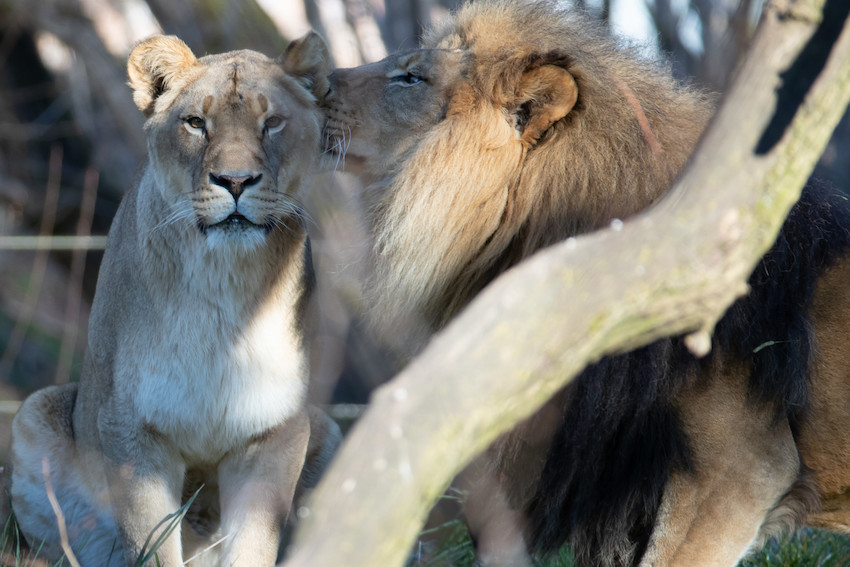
x: 620, y: 437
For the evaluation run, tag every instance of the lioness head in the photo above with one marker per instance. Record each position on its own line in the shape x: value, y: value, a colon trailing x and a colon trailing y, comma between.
x: 517, y: 124
x: 230, y: 136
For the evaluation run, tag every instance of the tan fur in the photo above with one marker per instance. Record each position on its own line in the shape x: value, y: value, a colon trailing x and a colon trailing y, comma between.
x: 487, y: 164
x: 824, y: 442
x: 713, y: 515
x: 749, y: 486
x: 514, y: 127
x: 196, y: 371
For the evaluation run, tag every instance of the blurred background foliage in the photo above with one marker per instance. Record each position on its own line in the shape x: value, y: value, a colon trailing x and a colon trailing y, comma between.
x: 71, y: 138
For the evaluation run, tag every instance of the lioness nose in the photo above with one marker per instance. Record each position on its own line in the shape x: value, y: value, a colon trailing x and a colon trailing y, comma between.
x: 235, y: 182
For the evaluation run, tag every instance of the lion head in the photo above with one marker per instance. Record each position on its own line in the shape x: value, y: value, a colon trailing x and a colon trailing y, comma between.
x: 230, y: 136
x: 515, y: 125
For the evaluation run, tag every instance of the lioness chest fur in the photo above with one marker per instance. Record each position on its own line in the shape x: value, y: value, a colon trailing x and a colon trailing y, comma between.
x: 196, y: 370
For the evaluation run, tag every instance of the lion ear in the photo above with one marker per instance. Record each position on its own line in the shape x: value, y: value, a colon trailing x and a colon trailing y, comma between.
x: 152, y: 66
x: 545, y: 95
x: 308, y: 60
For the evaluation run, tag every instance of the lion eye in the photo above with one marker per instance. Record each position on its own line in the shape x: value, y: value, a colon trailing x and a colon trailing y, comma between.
x: 274, y: 123
x: 196, y: 122
x: 407, y: 79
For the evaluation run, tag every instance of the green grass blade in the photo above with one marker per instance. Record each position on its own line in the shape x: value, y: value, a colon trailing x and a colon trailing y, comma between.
x: 170, y: 522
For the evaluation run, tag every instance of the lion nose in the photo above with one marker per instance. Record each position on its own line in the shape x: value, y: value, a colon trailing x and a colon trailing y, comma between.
x: 334, y: 81
x: 235, y: 182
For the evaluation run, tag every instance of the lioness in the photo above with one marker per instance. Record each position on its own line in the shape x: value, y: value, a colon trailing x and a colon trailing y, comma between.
x: 196, y: 370
x: 519, y: 124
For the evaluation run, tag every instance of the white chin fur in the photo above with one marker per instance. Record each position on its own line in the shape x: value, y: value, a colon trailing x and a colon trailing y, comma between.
x: 247, y: 239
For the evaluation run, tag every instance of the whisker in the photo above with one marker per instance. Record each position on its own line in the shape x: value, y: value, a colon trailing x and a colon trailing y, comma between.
x: 327, y: 144
x: 341, y: 150
x: 337, y: 139
x: 300, y: 211
x: 279, y: 222
x: 345, y: 149
x: 338, y: 147
x: 286, y: 210
x: 181, y: 213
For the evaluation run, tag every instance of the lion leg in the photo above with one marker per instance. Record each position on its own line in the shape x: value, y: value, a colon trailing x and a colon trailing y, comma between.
x: 43, y: 441
x: 257, y: 486
x: 502, y: 481
x: 745, y: 464
x: 494, y: 524
x: 824, y: 443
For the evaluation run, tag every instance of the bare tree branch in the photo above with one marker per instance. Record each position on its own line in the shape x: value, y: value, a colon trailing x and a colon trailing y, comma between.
x: 341, y: 38
x: 368, y: 33
x: 120, y: 131
x: 215, y: 27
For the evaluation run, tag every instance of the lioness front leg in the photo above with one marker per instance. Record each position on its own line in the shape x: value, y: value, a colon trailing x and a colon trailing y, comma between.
x: 257, y: 487
x: 145, y: 479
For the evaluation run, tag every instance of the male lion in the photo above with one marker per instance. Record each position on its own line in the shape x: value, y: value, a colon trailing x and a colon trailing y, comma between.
x: 196, y: 371
x: 519, y: 124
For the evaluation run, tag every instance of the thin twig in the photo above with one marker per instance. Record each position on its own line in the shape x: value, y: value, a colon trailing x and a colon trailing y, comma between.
x: 70, y: 329
x: 218, y: 542
x: 60, y: 517
x: 52, y: 243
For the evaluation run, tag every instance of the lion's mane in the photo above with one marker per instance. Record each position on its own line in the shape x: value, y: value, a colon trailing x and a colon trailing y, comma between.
x: 452, y: 222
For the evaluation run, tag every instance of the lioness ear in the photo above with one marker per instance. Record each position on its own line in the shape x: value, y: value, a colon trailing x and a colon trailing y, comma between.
x: 308, y: 60
x: 153, y: 65
x: 545, y: 95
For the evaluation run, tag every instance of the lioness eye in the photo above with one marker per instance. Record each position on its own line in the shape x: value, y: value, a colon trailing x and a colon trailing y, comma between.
x: 196, y: 122
x: 274, y: 123
x: 407, y: 79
